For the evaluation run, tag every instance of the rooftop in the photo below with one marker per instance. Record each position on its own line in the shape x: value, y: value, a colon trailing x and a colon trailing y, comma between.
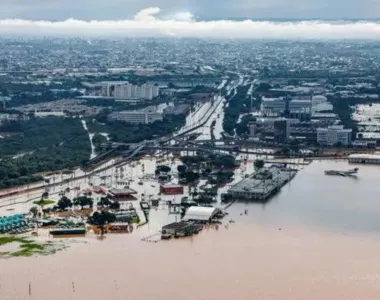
x: 200, y: 213
x: 265, y: 179
x: 122, y: 191
x: 365, y: 156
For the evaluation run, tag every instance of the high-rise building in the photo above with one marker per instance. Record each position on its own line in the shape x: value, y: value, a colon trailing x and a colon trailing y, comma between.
x: 125, y: 91
x: 334, y: 135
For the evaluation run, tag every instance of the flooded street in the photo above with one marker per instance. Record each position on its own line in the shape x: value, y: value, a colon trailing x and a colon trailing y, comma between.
x: 90, y: 136
x: 317, y: 234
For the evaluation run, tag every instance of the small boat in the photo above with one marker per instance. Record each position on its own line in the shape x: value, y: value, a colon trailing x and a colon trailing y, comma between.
x: 351, y: 172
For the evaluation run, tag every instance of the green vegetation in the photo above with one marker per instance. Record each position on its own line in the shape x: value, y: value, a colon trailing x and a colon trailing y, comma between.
x: 98, y: 140
x: 220, y: 177
x: 242, y: 127
x: 42, y: 145
x: 26, y: 248
x: 83, y: 201
x: 343, y: 110
x: 43, y: 202
x: 105, y: 202
x: 34, y: 211
x: 132, y: 133
x: 189, y: 176
x: 258, y: 164
x: 101, y: 218
x: 64, y: 203
x: 213, y: 161
x: 163, y: 168
x: 238, y: 104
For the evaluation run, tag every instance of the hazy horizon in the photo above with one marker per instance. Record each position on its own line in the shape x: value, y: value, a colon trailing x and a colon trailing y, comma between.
x: 154, y: 22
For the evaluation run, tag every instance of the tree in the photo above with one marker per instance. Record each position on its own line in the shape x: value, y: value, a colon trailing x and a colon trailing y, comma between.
x: 115, y: 205
x: 104, y: 202
x: 259, y: 164
x: 64, y: 203
x: 101, y: 218
x: 83, y: 201
x: 285, y: 151
x: 263, y: 87
x: 181, y: 169
x: 34, y: 211
x: 164, y: 169
x: 191, y: 176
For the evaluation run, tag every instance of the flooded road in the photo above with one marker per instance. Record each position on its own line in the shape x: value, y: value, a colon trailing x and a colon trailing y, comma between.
x: 317, y: 239
x: 90, y: 136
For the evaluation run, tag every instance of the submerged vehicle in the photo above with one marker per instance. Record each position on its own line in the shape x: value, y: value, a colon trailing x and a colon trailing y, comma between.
x: 352, y: 172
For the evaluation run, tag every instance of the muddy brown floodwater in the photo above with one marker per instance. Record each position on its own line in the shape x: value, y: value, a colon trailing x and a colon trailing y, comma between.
x: 318, y: 239
x: 241, y: 262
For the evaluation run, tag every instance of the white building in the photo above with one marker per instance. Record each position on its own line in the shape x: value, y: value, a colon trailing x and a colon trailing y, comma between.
x: 125, y: 91
x: 273, y: 105
x: 333, y: 135
x: 299, y: 107
x: 318, y: 99
x: 144, y: 116
x: 364, y: 158
x: 200, y: 213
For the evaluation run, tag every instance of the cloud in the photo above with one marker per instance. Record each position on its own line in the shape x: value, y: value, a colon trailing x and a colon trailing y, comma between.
x: 148, y: 23
x: 147, y: 14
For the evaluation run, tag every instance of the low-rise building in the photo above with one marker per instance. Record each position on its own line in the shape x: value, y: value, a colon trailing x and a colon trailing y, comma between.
x: 334, y: 135
x: 143, y: 116
x: 364, y: 158
x: 273, y: 105
x: 262, y: 184
x: 297, y: 108
x: 200, y: 213
x: 171, y: 189
x: 126, y: 91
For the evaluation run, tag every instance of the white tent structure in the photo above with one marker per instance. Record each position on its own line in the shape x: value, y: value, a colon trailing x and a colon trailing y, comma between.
x: 200, y: 213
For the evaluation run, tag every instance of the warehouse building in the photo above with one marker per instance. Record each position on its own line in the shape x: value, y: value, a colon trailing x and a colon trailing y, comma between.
x: 201, y: 214
x: 262, y: 184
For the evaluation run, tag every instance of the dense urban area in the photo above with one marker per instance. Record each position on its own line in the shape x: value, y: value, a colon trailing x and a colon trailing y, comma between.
x: 164, y: 139
x: 221, y: 120
x: 290, y: 96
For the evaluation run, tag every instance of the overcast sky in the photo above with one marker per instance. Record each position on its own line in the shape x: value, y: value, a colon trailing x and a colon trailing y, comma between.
x: 202, y: 9
x: 191, y: 18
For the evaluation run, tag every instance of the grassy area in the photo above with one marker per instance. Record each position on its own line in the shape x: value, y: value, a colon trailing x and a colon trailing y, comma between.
x: 44, y: 202
x: 13, y: 239
x: 26, y: 247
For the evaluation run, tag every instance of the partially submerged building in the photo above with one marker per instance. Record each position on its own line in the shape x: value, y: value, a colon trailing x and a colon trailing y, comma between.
x: 262, y: 185
x: 201, y: 214
x: 171, y: 189
x: 179, y: 229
